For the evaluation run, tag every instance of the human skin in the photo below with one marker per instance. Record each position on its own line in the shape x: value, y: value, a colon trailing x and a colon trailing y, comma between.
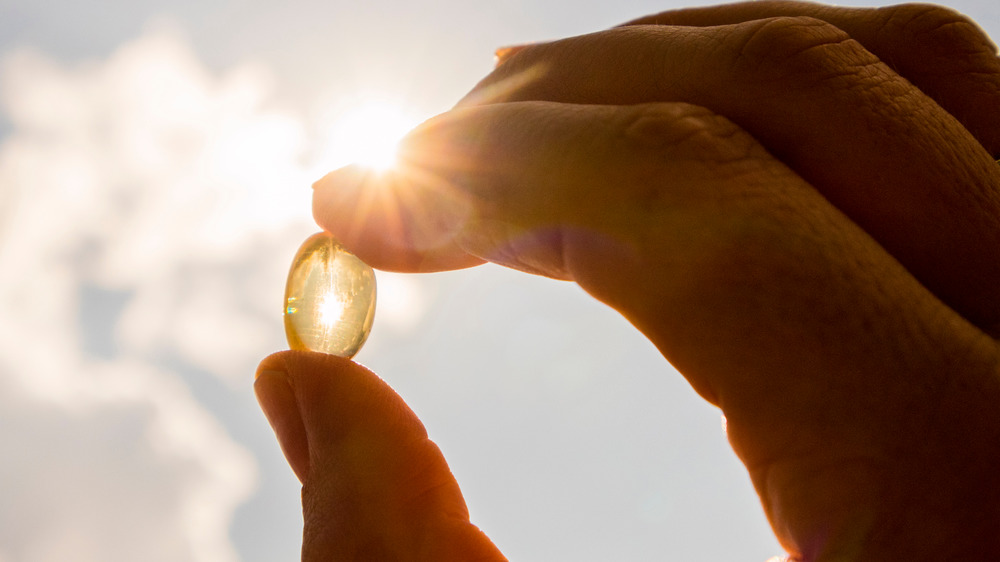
x: 799, y: 205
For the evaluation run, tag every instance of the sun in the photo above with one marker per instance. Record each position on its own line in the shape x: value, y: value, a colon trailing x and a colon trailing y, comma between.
x: 368, y: 133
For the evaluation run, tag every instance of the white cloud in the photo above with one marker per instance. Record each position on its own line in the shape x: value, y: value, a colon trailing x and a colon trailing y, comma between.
x: 147, y: 177
x: 179, y: 196
x: 132, y: 469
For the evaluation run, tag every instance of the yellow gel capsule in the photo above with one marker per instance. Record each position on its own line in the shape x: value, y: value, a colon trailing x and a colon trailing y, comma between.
x: 329, y: 298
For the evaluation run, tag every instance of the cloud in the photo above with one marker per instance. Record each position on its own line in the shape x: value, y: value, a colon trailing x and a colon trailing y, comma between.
x: 148, y: 210
x: 142, y: 173
x: 132, y: 469
x: 144, y: 203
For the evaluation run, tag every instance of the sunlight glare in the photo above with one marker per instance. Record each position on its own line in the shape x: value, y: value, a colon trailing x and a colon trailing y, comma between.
x: 331, y: 311
x: 368, y: 133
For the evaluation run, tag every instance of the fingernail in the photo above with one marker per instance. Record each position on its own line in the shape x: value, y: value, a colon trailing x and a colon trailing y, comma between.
x: 503, y: 53
x: 277, y: 400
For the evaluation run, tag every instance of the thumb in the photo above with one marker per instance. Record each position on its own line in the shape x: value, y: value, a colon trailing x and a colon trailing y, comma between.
x: 374, y: 486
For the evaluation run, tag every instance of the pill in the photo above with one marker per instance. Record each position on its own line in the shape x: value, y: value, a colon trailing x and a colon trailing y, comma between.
x: 329, y: 298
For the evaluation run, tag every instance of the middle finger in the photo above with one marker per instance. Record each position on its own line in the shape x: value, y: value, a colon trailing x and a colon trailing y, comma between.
x: 873, y: 144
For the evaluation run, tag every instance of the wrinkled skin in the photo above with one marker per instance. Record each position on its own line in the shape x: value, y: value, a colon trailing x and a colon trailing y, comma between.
x: 799, y: 205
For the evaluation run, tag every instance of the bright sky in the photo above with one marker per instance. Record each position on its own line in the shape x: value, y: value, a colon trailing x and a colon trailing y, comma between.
x: 155, y: 164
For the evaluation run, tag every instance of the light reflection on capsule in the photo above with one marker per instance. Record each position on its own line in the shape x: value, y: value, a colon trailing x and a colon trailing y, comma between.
x: 331, y: 310
x: 329, y: 298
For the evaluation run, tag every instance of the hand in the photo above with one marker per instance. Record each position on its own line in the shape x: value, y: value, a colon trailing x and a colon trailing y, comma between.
x: 797, y: 204
x: 374, y: 487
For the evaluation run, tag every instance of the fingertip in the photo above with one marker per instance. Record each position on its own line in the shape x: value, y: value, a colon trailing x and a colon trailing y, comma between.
x: 350, y: 174
x: 345, y: 203
x: 309, y: 373
x: 334, y: 394
x: 274, y: 392
x: 273, y: 362
x: 393, y: 220
x: 295, y: 390
x: 370, y: 474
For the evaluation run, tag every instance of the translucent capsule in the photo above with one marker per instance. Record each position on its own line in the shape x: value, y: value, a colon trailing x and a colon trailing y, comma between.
x: 329, y: 298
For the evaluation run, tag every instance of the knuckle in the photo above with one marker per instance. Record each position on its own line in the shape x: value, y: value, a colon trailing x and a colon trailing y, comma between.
x: 801, y: 48
x: 678, y: 150
x: 944, y: 40
x: 684, y: 132
x: 937, y: 28
x: 788, y: 37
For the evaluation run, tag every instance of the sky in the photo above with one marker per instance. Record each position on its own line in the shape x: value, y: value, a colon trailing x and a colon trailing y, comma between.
x: 155, y: 167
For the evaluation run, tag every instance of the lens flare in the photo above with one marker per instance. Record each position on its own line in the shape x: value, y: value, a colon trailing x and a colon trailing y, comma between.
x: 368, y: 133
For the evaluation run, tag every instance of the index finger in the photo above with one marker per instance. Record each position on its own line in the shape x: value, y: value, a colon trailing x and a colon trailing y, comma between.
x: 938, y: 49
x: 877, y: 147
x: 835, y: 369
